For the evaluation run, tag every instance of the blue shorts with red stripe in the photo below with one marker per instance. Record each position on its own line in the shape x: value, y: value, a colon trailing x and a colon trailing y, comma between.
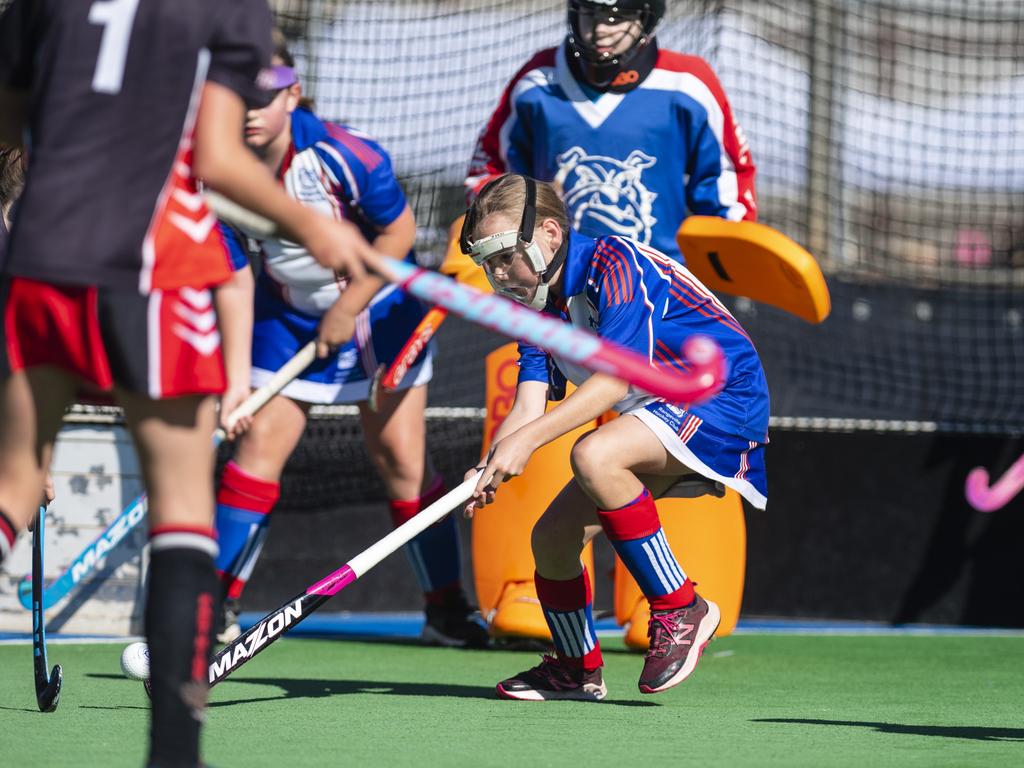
x: 734, y: 461
x: 344, y: 376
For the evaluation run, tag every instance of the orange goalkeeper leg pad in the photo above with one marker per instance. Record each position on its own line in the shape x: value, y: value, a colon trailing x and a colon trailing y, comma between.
x: 709, y: 538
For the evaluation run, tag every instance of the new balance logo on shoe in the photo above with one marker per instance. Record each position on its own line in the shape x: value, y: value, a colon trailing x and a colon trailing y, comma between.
x: 678, y: 638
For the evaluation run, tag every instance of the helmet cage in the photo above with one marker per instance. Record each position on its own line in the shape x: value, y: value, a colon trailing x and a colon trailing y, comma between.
x: 601, y: 68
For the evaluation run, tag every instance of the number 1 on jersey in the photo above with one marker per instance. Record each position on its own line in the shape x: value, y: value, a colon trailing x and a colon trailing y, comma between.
x: 116, y: 17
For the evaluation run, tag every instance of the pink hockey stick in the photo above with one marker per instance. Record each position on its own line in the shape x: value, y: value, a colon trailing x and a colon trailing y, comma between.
x: 707, y: 364
x: 988, y: 499
x: 705, y: 378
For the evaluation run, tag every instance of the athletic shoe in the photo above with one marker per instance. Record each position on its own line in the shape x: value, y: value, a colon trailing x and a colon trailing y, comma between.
x: 455, y: 624
x: 228, y: 629
x: 678, y: 638
x: 553, y: 680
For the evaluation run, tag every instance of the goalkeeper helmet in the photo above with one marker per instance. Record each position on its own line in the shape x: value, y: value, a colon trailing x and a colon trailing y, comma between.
x: 600, y: 67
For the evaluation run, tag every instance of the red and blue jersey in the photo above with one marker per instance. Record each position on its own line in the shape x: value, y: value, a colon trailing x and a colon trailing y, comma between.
x: 640, y: 298
x: 343, y: 174
x: 632, y: 164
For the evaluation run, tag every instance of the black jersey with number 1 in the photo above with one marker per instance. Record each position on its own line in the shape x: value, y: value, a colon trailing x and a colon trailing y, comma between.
x: 114, y: 86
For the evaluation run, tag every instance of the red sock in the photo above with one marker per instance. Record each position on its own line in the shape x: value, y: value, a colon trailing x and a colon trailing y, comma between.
x: 434, y: 554
x: 635, y: 532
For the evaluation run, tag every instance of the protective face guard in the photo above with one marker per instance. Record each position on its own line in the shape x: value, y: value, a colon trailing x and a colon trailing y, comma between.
x: 601, y: 68
x: 533, y: 255
x: 613, y: 16
x: 503, y: 242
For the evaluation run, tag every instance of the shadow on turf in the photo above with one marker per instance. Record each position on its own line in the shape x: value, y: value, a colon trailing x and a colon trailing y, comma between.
x: 316, y: 689
x: 976, y: 732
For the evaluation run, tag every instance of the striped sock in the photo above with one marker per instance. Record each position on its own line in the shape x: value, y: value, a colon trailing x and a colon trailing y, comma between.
x: 8, y: 533
x: 244, y: 503
x: 568, y: 609
x: 179, y: 631
x: 637, y: 536
x: 434, y: 554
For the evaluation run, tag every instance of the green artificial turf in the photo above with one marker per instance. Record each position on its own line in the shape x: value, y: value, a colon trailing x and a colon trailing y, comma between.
x: 753, y: 701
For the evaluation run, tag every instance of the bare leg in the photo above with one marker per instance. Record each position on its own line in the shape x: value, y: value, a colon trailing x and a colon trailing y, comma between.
x: 172, y: 437
x: 396, y: 439
x: 275, y: 432
x: 32, y: 405
x: 614, y: 463
x: 173, y: 440
x: 562, y: 532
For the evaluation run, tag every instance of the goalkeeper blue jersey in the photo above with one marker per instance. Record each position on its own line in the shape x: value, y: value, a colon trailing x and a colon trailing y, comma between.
x: 632, y: 164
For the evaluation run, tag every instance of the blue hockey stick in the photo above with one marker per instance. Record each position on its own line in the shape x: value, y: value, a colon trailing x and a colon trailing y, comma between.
x: 86, y: 561
x: 135, y: 512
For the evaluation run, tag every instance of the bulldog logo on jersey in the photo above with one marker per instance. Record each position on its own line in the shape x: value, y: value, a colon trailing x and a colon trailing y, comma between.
x: 606, y: 195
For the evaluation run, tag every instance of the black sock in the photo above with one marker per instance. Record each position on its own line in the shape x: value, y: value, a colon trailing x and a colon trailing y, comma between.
x: 8, y: 533
x: 179, y: 630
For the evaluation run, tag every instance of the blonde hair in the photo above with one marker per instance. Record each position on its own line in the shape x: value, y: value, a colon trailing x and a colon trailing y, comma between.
x: 506, y: 195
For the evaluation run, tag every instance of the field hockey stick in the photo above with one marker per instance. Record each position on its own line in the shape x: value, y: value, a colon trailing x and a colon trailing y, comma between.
x: 389, y: 380
x: 988, y: 499
x: 705, y: 378
x: 87, y: 559
x: 276, y: 623
x: 135, y: 512
x: 47, y: 683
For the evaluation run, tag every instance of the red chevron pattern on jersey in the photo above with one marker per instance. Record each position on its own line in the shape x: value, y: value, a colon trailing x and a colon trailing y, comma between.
x: 184, y: 245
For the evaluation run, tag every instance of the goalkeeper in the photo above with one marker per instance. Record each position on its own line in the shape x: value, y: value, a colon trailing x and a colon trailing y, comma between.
x: 634, y: 137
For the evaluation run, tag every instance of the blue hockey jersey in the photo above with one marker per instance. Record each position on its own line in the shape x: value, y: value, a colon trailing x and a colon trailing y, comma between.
x: 631, y: 164
x: 344, y: 174
x: 640, y: 298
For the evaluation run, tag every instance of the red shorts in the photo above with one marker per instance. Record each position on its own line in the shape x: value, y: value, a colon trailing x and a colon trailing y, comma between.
x: 165, y: 344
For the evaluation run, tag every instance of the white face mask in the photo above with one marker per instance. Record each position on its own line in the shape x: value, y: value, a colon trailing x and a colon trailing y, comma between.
x: 488, y: 247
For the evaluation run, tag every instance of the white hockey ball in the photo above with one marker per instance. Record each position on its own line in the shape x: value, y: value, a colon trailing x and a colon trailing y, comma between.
x: 135, y: 661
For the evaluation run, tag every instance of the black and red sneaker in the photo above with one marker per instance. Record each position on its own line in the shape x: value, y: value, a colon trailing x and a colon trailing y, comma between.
x: 553, y: 680
x: 678, y: 638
